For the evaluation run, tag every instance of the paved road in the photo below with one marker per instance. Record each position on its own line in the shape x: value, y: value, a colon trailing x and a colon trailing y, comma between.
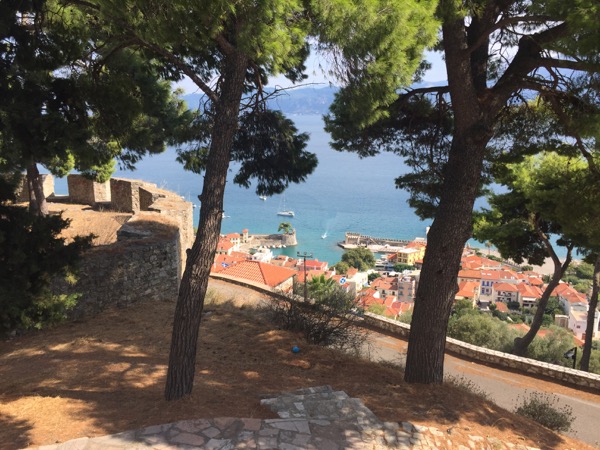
x: 505, y: 388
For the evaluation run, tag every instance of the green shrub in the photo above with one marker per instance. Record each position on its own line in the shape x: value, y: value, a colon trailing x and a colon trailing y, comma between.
x: 376, y: 308
x: 514, y: 306
x: 482, y: 330
x: 543, y: 409
x: 405, y: 317
x: 32, y: 254
x: 551, y: 347
x: 595, y: 361
x: 329, y: 321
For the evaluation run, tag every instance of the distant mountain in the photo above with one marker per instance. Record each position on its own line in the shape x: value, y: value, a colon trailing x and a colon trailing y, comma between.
x: 304, y: 100
x: 307, y: 100
x: 290, y: 101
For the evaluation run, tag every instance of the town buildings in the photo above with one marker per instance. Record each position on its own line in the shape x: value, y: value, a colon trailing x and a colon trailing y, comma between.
x: 483, y: 281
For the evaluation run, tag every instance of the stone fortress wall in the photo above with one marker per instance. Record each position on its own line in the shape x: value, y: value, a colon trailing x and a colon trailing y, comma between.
x: 147, y: 260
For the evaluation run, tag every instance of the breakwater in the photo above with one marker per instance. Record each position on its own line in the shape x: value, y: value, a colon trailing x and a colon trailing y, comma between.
x: 376, y: 244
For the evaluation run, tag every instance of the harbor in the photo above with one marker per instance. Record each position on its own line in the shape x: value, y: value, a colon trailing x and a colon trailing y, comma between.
x: 375, y: 244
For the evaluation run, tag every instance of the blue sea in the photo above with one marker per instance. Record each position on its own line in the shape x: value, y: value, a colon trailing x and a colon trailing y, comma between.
x: 344, y: 193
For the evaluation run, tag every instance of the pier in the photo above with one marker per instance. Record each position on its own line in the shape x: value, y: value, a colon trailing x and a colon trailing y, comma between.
x: 375, y: 244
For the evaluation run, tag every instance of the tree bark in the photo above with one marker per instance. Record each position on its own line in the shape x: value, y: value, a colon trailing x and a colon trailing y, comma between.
x: 37, y: 201
x: 438, y: 281
x: 192, y: 291
x: 452, y: 226
x: 522, y: 343
x: 584, y: 364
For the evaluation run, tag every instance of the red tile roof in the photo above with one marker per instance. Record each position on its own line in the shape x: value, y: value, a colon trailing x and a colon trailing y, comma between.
x: 223, y: 261
x: 501, y: 306
x: 351, y: 272
x: 467, y: 289
x: 507, y: 287
x: 529, y: 291
x: 473, y: 274
x: 224, y: 245
x: 260, y: 272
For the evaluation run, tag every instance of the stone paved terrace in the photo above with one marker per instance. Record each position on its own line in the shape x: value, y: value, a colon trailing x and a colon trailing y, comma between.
x: 310, y: 419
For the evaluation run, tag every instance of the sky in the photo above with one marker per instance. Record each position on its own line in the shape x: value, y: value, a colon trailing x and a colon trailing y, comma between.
x: 316, y: 76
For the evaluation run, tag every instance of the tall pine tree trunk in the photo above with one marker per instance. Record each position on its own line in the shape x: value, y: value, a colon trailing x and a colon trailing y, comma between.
x: 438, y: 281
x: 584, y: 364
x: 452, y: 226
x: 190, y: 302
x: 37, y: 200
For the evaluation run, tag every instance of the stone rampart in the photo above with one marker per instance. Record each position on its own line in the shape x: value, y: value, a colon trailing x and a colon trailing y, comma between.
x: 147, y: 260
x: 87, y: 192
x: 529, y: 366
x: 125, y: 194
x: 22, y: 192
x: 143, y: 265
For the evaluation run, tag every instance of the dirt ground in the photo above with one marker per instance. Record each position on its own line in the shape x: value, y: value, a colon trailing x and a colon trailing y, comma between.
x: 106, y: 374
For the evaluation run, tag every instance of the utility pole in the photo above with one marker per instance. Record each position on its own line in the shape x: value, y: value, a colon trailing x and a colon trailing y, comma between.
x: 305, y: 255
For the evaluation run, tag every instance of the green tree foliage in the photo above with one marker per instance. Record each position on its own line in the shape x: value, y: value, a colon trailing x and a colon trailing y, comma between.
x: 402, y: 267
x: 31, y: 254
x: 405, y: 317
x: 584, y: 270
x: 360, y: 258
x: 228, y: 50
x: 286, y: 227
x: 65, y: 102
x: 482, y: 330
x: 548, y: 195
x: 494, y: 51
x: 552, y: 346
x: 341, y: 267
x: 463, y: 307
x: 373, y: 276
x: 376, y: 308
x: 321, y: 287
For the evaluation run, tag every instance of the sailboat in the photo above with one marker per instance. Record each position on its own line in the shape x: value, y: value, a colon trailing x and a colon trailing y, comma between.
x: 285, y: 212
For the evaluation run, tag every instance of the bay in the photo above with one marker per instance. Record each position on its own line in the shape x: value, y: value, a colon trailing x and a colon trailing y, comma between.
x: 344, y: 193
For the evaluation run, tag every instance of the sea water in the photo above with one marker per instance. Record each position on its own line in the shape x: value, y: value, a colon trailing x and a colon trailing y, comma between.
x: 344, y: 193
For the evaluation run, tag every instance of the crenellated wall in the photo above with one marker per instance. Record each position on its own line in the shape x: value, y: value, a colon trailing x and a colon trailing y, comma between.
x: 147, y: 260
x: 87, y: 192
x: 143, y: 265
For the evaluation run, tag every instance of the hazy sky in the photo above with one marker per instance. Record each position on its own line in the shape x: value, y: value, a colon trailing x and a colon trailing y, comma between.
x: 315, y: 73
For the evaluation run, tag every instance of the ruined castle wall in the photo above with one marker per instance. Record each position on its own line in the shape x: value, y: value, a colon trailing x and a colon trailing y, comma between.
x: 125, y: 194
x: 22, y: 192
x: 147, y: 261
x: 87, y: 192
x: 141, y: 266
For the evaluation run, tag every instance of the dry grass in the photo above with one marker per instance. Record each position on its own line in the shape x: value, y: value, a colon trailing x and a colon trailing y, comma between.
x: 106, y: 374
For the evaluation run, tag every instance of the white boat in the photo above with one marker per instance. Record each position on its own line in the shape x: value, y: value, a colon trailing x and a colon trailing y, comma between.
x: 285, y: 212
x: 262, y: 197
x: 324, y: 235
x: 224, y: 216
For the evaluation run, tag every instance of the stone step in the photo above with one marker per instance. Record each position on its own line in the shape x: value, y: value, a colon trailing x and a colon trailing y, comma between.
x: 323, y: 403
